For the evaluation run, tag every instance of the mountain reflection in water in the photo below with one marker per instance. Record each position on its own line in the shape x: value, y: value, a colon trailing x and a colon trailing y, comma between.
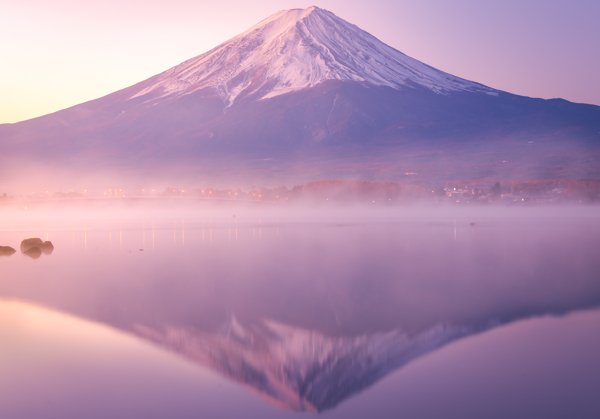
x: 308, y: 314
x: 300, y: 369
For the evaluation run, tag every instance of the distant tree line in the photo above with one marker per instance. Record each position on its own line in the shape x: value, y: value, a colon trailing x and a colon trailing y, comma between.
x: 328, y: 190
x: 584, y: 189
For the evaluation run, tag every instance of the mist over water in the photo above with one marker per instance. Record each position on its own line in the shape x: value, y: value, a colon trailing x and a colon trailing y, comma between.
x: 343, y: 311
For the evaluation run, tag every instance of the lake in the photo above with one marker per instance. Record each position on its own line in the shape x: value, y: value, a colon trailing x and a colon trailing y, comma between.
x: 231, y: 311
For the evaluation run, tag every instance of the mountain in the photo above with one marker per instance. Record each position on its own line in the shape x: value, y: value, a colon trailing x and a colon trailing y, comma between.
x: 302, y: 96
x: 298, y: 49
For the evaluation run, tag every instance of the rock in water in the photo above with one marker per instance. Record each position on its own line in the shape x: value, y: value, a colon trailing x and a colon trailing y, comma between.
x: 6, y: 251
x: 29, y: 243
x: 45, y: 247
x: 33, y: 252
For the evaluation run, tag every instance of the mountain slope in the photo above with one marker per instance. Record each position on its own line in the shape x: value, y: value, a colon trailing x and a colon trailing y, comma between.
x: 296, y: 49
x: 302, y: 96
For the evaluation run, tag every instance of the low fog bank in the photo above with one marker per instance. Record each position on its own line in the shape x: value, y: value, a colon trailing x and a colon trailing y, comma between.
x: 25, y: 215
x: 330, y: 202
x: 341, y: 193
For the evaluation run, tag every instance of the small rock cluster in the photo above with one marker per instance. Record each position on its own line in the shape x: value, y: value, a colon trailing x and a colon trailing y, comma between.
x: 30, y: 247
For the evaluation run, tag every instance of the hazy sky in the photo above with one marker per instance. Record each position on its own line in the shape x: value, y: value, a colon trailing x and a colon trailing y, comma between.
x: 55, y: 54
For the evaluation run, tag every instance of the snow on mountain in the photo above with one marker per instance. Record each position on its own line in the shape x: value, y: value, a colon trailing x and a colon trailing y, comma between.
x: 299, y: 48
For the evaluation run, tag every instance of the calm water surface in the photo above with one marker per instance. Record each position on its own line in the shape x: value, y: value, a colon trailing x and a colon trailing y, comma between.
x: 199, y: 314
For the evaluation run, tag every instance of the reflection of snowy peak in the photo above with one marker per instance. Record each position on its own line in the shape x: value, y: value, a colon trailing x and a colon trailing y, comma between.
x: 301, y: 369
x: 295, y: 49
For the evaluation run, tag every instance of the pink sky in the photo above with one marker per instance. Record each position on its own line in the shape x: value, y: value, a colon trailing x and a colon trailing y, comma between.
x: 60, y: 53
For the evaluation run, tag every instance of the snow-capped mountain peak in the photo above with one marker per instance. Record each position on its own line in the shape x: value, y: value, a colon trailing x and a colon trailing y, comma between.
x: 300, y: 48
